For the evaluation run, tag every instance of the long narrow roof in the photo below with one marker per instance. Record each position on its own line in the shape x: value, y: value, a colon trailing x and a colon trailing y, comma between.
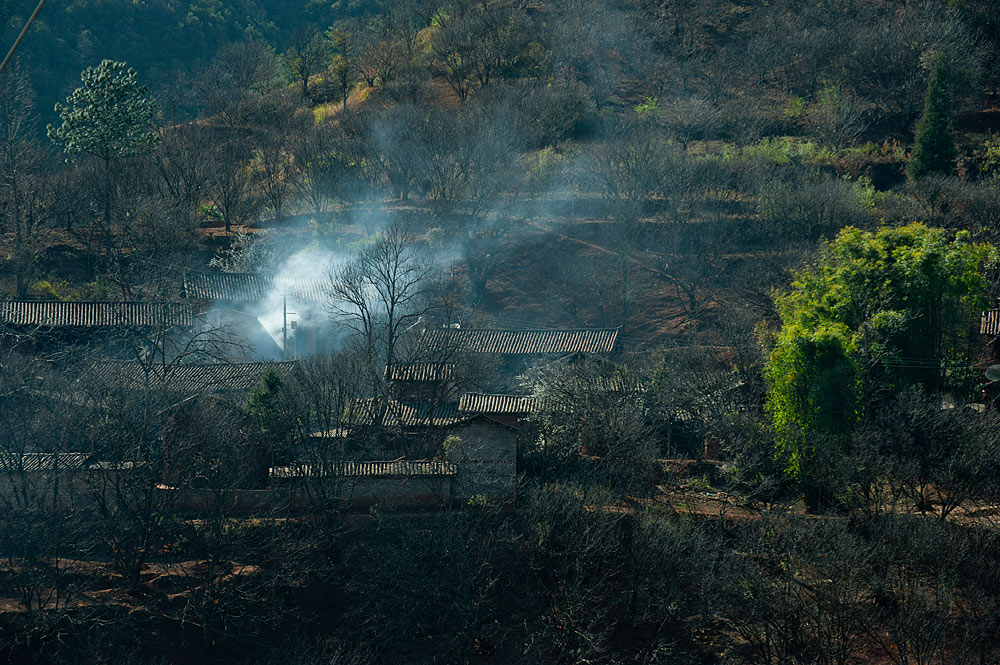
x: 423, y: 372
x: 521, y: 342
x: 487, y: 404
x: 406, y: 414
x: 377, y: 468
x: 42, y: 461
x: 185, y: 378
x: 60, y: 314
x: 247, y: 287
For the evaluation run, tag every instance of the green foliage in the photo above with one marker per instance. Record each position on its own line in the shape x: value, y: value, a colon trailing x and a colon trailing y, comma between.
x: 864, y: 189
x: 934, y: 148
x: 49, y: 291
x: 110, y: 116
x: 877, y: 313
x: 989, y: 156
x: 264, y: 403
x: 813, y: 389
x: 649, y: 105
x: 451, y: 444
x: 796, y: 109
x: 781, y: 150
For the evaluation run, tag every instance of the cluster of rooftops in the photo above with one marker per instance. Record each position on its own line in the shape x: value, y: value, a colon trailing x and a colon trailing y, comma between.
x: 200, y: 290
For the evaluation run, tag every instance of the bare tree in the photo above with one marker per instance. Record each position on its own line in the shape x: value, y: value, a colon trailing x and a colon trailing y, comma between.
x: 479, y: 43
x: 308, y: 53
x: 314, y: 412
x: 232, y: 186
x: 273, y: 158
x: 378, y: 296
x: 23, y: 196
x: 395, y: 142
x: 378, y: 51
x: 344, y: 68
x: 689, y: 119
x: 240, y: 74
x: 43, y: 523
x: 319, y: 160
x: 183, y: 166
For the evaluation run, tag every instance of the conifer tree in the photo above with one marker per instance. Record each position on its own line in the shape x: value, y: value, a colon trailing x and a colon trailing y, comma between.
x: 109, y: 117
x: 934, y: 148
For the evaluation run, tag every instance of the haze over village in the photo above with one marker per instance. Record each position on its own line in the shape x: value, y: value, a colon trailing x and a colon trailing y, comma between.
x: 362, y: 332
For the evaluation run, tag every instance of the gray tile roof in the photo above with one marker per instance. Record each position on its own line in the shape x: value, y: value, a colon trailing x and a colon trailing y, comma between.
x: 526, y: 342
x: 189, y: 378
x: 42, y: 461
x: 246, y: 287
x: 423, y: 372
x: 487, y: 404
x: 406, y: 414
x: 351, y: 468
x: 59, y: 314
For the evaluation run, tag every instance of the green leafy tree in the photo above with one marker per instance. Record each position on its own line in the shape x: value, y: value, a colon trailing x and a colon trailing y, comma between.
x: 877, y: 313
x: 933, y: 148
x: 110, y: 117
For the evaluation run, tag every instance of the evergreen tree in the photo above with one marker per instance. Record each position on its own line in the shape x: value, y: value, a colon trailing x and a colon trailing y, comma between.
x: 110, y: 117
x: 934, y: 148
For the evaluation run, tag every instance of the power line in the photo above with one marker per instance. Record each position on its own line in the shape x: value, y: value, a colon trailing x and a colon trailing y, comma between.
x: 24, y: 31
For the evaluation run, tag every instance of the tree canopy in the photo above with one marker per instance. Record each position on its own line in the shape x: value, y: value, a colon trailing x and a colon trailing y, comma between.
x: 876, y: 313
x: 110, y: 116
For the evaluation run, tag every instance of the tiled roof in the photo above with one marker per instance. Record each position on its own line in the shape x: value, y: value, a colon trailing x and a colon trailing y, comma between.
x: 349, y: 468
x: 496, y: 404
x: 246, y: 287
x: 521, y: 341
x: 423, y: 372
x: 407, y: 414
x: 989, y: 324
x: 58, y: 314
x: 42, y: 461
x: 190, y: 378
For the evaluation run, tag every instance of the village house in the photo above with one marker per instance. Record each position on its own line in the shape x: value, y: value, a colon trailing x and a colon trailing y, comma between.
x: 457, y: 409
x: 292, y: 311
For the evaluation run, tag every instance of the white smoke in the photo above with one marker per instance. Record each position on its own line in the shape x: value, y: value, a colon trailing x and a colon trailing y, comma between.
x: 295, y: 299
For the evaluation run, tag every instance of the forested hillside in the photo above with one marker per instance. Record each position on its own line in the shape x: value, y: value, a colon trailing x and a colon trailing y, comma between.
x: 500, y: 331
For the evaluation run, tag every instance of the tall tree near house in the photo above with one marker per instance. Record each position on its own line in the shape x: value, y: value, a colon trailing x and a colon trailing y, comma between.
x: 379, y: 295
x: 305, y: 414
x: 934, y: 148
x: 109, y: 118
x: 233, y: 183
